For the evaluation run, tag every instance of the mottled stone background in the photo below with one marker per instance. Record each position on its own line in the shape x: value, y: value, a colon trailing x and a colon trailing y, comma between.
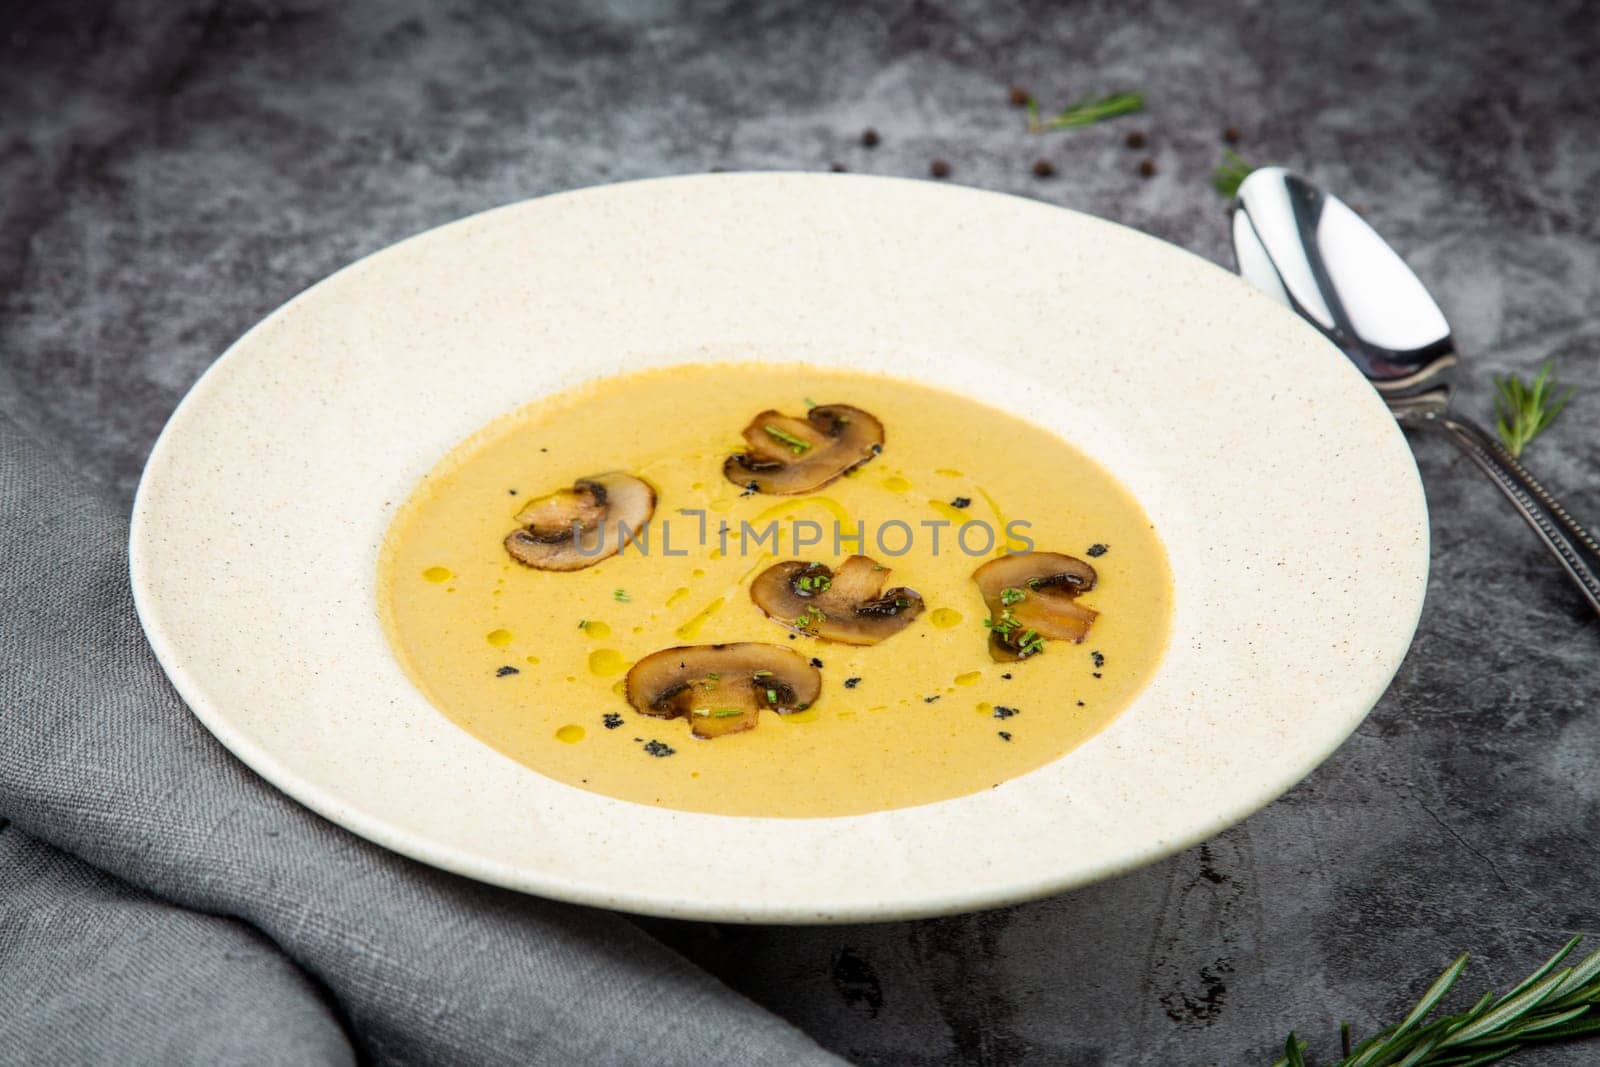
x: 170, y: 172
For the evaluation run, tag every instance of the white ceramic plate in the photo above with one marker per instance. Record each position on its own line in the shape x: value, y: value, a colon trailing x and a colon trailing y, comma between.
x: 1287, y: 498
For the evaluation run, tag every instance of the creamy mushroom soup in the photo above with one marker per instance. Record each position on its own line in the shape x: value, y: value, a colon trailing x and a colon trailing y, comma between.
x: 774, y: 591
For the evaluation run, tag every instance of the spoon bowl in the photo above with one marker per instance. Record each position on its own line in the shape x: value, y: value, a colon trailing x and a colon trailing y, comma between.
x: 1308, y: 249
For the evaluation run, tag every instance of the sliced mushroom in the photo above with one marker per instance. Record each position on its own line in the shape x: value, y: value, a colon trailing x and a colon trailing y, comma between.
x: 789, y: 455
x: 849, y: 605
x: 1033, y: 598
x: 721, y: 689
x: 576, y: 528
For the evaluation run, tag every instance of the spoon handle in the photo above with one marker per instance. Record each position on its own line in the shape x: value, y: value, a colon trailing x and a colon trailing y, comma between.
x: 1574, y: 546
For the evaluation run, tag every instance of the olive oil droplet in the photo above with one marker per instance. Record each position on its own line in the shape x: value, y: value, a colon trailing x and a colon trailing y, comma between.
x: 438, y: 574
x: 570, y: 734
x: 968, y: 678
x: 692, y: 627
x: 597, y: 629
x: 498, y: 638
x: 606, y: 661
x: 944, y: 618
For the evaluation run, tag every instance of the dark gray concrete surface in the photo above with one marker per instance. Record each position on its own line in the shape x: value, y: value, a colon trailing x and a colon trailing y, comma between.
x: 170, y: 172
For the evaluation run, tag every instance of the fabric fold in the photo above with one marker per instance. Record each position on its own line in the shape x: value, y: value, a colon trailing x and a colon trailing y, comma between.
x: 101, y: 759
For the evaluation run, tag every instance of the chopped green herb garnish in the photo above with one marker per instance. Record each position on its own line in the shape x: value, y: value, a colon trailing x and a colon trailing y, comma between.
x: 813, y: 583
x: 714, y: 677
x: 810, y: 403
x: 1009, y: 596
x: 762, y: 674
x: 1004, y: 624
x: 796, y: 445
x: 772, y: 696
x: 621, y: 595
x: 726, y: 713
x: 583, y: 624
x: 808, y: 618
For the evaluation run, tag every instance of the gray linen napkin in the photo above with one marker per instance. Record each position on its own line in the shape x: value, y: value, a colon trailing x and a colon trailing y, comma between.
x: 286, y: 928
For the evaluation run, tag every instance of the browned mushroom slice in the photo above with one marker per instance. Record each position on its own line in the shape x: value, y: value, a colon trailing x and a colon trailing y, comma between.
x: 789, y: 455
x: 721, y: 689
x: 849, y: 605
x: 576, y: 528
x: 1032, y: 598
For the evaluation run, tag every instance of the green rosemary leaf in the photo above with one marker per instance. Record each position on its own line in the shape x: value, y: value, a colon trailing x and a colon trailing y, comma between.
x: 1088, y: 112
x: 1525, y: 1031
x: 1581, y: 974
x: 1523, y: 410
x: 1478, y: 1060
x: 1230, y: 173
x: 1508, y: 1011
x: 1435, y: 993
x: 1545, y: 969
x: 1420, y: 1052
x: 1570, y: 1030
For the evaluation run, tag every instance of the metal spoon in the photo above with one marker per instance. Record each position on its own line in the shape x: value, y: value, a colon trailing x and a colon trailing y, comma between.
x: 1308, y: 249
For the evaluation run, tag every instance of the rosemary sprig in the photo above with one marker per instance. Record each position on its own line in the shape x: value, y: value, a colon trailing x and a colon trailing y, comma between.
x: 1526, y: 409
x: 1230, y: 173
x: 1085, y: 112
x: 1554, y: 1003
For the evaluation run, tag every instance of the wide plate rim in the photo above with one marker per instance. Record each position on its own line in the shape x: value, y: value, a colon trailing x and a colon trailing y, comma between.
x: 911, y: 902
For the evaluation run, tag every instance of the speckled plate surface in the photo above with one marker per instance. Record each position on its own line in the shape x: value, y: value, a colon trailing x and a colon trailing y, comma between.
x: 1287, y: 498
